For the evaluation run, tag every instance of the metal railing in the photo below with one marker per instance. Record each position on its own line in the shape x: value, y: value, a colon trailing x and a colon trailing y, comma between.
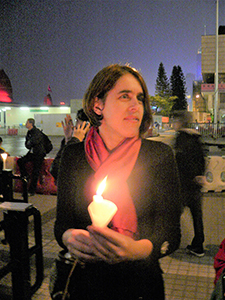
x: 210, y: 129
x: 205, y: 129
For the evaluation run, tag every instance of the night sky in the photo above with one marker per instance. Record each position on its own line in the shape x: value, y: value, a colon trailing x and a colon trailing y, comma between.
x: 65, y: 43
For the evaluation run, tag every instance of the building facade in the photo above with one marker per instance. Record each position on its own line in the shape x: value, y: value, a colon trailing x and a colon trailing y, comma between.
x: 208, y: 64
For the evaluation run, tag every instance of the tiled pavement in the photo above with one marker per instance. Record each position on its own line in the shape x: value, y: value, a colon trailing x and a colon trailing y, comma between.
x: 186, y: 277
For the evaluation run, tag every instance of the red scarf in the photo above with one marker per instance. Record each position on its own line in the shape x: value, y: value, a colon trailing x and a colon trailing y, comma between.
x: 117, y: 165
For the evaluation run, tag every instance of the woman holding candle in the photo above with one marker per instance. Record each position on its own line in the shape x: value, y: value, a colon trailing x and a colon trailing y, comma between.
x: 119, y: 261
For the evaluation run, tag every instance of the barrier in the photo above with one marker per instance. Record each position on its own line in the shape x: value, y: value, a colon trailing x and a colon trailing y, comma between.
x: 214, y: 174
x: 12, y: 131
x: 46, y: 183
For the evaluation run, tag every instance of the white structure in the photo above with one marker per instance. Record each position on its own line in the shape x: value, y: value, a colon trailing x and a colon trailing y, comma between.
x: 14, y: 116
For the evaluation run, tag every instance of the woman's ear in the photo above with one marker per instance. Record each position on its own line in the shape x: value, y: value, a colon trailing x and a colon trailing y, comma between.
x: 98, y: 106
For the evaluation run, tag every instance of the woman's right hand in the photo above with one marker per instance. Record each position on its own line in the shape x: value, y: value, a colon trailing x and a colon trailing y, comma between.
x: 79, y: 244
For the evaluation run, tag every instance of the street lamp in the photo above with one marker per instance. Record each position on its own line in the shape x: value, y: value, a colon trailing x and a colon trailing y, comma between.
x: 216, y: 73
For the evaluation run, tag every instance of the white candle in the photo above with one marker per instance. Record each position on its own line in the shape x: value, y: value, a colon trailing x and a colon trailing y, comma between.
x: 101, y: 210
x: 4, y: 157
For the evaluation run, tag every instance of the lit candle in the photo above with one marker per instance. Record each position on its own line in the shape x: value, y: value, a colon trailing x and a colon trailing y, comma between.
x: 101, y: 210
x: 4, y: 157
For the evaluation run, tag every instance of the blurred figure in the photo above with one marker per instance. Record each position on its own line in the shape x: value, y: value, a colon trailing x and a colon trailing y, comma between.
x: 35, y: 143
x: 191, y: 165
x: 73, y: 134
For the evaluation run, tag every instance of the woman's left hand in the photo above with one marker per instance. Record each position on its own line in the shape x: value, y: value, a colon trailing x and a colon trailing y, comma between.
x: 80, y: 130
x: 67, y: 127
x: 114, y: 247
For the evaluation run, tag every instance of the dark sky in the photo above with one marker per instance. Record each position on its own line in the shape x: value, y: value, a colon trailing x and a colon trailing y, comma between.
x: 65, y: 43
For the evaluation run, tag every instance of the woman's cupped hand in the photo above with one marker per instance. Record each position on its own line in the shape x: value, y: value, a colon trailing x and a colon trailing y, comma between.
x: 105, y: 244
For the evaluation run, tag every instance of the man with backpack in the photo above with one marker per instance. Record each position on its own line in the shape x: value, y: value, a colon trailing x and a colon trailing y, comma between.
x: 36, y: 143
x: 190, y: 159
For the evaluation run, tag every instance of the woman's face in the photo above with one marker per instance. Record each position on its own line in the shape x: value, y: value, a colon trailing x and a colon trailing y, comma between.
x: 122, y: 112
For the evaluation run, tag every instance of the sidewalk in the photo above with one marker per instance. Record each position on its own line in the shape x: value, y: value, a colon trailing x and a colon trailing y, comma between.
x: 186, y: 277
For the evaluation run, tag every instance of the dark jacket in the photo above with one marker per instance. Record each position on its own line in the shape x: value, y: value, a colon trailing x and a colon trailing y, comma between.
x: 35, y: 142
x: 54, y: 169
x: 154, y: 188
x: 155, y: 191
x: 190, y: 157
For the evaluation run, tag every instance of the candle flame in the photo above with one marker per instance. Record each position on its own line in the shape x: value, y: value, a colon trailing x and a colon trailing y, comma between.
x: 4, y: 156
x: 101, y: 187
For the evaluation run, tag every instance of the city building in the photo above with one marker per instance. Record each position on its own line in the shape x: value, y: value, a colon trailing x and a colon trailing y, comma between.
x: 48, y: 118
x: 208, y: 46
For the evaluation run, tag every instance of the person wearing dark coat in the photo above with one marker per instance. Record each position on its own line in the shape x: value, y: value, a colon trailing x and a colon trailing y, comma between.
x: 35, y: 144
x: 190, y: 159
x: 73, y: 134
x: 119, y: 261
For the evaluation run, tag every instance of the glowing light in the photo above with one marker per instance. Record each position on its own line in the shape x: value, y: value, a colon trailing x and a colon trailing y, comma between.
x: 101, y: 210
x: 4, y: 96
x: 101, y: 187
x: 64, y: 107
x: 4, y: 157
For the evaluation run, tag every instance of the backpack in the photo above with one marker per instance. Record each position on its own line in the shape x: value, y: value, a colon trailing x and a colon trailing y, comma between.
x: 47, y: 143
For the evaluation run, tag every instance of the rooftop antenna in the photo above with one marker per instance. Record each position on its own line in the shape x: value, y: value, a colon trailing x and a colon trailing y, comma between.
x: 204, y: 29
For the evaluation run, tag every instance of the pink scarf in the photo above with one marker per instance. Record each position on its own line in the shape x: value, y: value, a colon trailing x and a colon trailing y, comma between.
x: 117, y: 165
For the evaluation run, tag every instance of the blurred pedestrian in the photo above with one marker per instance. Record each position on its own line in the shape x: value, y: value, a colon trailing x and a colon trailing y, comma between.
x: 35, y: 143
x: 191, y: 165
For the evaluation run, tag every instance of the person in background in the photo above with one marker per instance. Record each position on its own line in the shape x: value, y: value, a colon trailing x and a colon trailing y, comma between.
x: 73, y: 134
x: 35, y: 143
x: 120, y: 261
x: 190, y: 159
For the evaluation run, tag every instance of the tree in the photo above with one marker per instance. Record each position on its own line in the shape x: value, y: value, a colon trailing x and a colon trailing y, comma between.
x: 162, y: 87
x: 163, y: 104
x: 178, y: 89
x: 162, y: 100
